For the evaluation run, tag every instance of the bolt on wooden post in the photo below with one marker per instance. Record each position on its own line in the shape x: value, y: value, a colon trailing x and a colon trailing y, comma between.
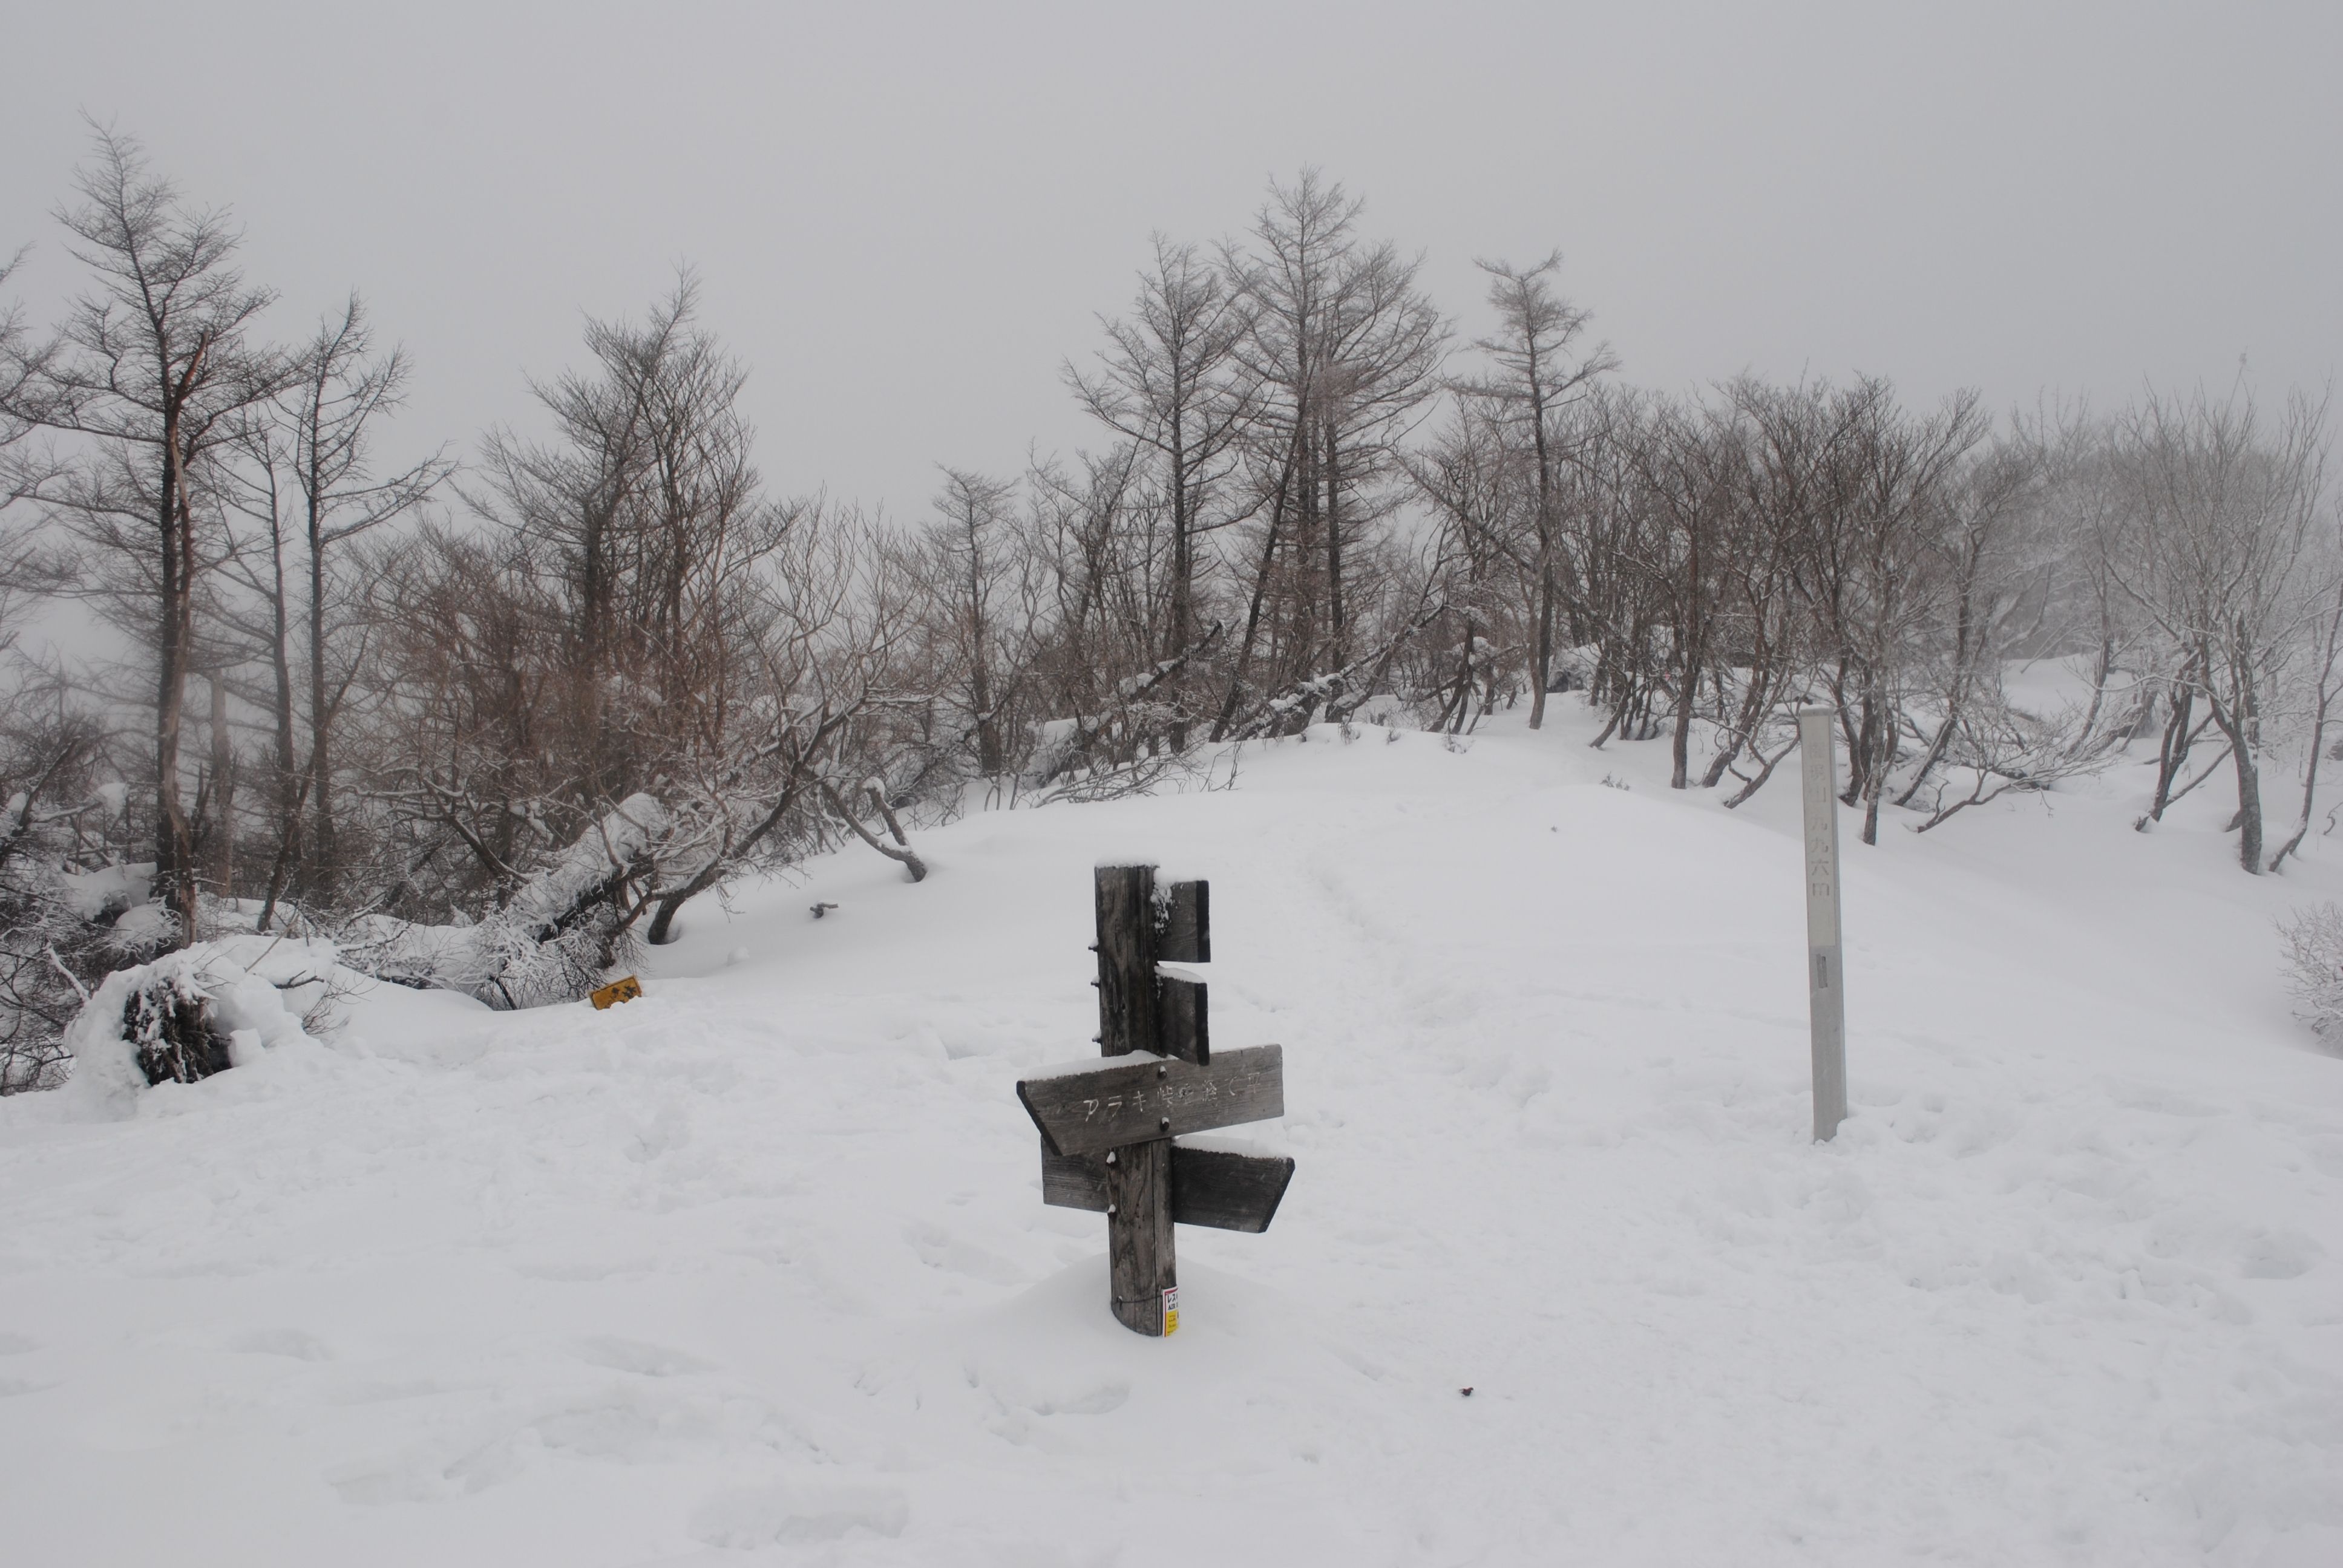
x: 1825, y: 972
x: 1110, y: 1134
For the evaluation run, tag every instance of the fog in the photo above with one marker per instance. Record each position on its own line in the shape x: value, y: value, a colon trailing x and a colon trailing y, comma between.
x: 906, y: 218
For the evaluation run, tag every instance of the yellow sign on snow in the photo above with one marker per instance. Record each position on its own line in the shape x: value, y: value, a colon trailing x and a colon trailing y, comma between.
x: 617, y: 991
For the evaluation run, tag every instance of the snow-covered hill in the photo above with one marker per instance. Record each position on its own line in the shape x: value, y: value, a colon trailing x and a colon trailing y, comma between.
x: 756, y: 1268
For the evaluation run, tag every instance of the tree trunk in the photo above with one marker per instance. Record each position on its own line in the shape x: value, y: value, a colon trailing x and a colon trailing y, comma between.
x: 1337, y: 620
x: 323, y: 873
x: 1183, y: 571
x: 2249, y: 807
x: 1542, y: 652
x: 1879, y: 731
x: 2326, y: 650
x: 2173, y: 753
x: 223, y: 844
x: 1680, y: 747
x: 1253, y: 609
x: 2242, y: 729
x: 291, y: 781
x: 175, y: 846
x: 1542, y: 645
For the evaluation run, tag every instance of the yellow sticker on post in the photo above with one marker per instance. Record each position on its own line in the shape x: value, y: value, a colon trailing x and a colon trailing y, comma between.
x: 617, y: 991
x: 1172, y: 1310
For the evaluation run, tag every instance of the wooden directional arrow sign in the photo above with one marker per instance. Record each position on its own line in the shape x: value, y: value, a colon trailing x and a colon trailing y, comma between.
x: 1140, y: 1097
x: 1221, y: 1188
x: 1107, y: 1129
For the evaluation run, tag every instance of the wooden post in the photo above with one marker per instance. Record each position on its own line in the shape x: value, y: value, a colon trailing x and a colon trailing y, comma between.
x: 1145, y: 1282
x: 1825, y: 972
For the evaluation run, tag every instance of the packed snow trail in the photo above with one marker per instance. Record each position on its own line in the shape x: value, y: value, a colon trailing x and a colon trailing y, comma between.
x: 756, y: 1268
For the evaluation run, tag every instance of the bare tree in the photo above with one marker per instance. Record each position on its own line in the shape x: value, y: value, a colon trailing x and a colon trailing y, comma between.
x: 56, y: 822
x: 1539, y: 372
x: 157, y: 367
x: 344, y: 393
x: 1345, y: 350
x: 1879, y: 477
x: 965, y: 561
x: 1980, y: 559
x: 21, y: 477
x: 2220, y: 504
x: 306, y: 479
x: 645, y: 680
x: 2323, y: 686
x: 1765, y: 629
x: 832, y: 616
x: 1487, y: 497
x: 1687, y: 466
x: 1168, y: 381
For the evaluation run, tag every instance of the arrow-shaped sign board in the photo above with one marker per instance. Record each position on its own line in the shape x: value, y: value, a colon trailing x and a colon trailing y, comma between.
x: 1141, y: 1097
x: 1225, y: 1188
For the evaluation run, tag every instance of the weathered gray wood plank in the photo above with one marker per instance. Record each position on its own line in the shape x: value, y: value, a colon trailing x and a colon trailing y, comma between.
x: 1227, y: 1191
x: 1187, y: 934
x: 1126, y: 959
x: 1135, y: 1102
x: 1139, y: 1249
x: 1218, y: 1188
x: 1184, y: 1027
x: 1073, y: 1181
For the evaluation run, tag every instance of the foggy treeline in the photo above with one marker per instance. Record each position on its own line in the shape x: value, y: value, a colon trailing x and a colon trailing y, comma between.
x: 485, y: 724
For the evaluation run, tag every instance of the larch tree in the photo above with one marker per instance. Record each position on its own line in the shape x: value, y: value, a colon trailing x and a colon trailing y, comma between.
x: 1169, y: 380
x: 964, y: 561
x: 155, y: 370
x: 1539, y: 371
x: 1345, y: 350
x: 307, y: 483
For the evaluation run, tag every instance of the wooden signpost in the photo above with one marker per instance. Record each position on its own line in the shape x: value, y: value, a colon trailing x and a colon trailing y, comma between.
x: 1825, y: 976
x: 1109, y: 1134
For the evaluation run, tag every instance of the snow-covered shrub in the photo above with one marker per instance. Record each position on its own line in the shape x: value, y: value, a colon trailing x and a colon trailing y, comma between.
x: 189, y: 1014
x: 500, y: 960
x: 2314, y: 962
x: 70, y: 909
x: 1573, y: 668
x: 551, y: 942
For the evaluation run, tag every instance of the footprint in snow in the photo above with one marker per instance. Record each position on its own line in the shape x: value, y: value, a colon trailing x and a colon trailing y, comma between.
x: 939, y: 1249
x: 636, y: 1356
x: 290, y: 1343
x: 748, y: 1518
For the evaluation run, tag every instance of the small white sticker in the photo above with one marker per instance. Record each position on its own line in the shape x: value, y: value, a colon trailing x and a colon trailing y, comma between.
x: 1172, y: 1310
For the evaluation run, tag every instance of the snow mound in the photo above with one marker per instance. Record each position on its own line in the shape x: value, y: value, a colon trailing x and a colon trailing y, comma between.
x: 247, y: 982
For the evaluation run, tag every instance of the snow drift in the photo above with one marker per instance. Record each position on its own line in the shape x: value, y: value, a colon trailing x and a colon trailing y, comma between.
x: 756, y: 1270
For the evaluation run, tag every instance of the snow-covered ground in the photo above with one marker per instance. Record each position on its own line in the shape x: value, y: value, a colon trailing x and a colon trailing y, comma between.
x: 757, y: 1268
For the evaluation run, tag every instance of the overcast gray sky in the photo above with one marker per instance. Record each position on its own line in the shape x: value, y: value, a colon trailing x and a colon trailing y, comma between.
x: 905, y: 216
